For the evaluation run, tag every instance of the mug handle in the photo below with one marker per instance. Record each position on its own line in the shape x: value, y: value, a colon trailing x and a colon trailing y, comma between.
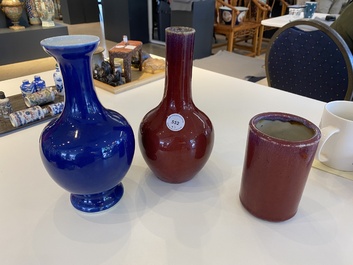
x: 326, y: 133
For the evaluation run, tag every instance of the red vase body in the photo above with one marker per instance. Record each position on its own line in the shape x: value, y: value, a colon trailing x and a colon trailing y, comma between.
x: 176, y: 138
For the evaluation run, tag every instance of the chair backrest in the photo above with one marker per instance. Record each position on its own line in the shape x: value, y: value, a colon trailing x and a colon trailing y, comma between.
x: 309, y: 58
x: 284, y: 8
x: 218, y: 5
x: 233, y: 6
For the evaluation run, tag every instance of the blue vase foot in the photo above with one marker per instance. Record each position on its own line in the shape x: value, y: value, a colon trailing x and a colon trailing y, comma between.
x: 91, y: 203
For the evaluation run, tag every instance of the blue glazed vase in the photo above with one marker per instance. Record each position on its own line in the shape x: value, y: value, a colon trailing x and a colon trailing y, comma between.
x: 88, y: 149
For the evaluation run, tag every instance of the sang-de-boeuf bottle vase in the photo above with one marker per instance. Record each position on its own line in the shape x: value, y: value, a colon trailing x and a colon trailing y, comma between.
x: 88, y: 149
x: 176, y: 138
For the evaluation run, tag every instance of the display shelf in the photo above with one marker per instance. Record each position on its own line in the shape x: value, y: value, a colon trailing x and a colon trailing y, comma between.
x: 23, y: 45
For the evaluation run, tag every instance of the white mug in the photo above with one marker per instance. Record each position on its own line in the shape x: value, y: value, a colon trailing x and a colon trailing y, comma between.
x: 336, y: 145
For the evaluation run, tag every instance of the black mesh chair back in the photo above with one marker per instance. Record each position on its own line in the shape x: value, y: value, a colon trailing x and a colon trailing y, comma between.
x: 309, y: 58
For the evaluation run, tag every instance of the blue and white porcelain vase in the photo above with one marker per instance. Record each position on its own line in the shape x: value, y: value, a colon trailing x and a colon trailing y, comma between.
x: 46, y: 11
x: 89, y: 149
x: 32, y: 12
x: 58, y: 80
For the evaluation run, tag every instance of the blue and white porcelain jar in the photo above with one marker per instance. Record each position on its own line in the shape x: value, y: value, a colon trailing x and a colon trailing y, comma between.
x: 38, y: 83
x: 27, y: 87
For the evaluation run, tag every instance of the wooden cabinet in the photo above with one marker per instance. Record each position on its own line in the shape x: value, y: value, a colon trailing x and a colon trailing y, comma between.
x: 79, y: 11
x: 201, y: 18
x: 125, y: 17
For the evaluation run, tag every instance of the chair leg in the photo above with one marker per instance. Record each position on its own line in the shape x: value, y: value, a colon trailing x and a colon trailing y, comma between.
x: 261, y: 35
x: 255, y: 42
x: 230, y: 42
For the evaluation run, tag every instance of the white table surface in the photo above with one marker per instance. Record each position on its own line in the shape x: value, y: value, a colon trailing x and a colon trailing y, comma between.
x: 198, y: 222
x: 280, y: 21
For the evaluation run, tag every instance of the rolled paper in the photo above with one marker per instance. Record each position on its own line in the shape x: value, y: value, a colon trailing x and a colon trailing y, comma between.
x: 39, y: 98
x: 56, y: 108
x: 25, y: 116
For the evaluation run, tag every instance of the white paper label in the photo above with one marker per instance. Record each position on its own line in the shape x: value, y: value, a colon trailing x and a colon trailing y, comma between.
x: 130, y: 47
x: 175, y: 122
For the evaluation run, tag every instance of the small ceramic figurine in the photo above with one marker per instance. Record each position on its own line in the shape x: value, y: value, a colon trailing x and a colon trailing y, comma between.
x: 5, y: 105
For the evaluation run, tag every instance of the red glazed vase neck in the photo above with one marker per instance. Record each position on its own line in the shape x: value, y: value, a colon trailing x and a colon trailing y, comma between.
x: 179, y: 61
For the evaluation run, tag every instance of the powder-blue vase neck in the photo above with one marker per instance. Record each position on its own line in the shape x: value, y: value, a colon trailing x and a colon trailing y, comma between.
x: 88, y: 149
x: 73, y: 53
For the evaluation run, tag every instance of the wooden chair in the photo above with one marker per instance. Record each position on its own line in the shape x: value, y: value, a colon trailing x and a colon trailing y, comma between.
x: 308, y: 58
x: 285, y: 7
x: 246, y: 30
x: 286, y: 4
x: 260, y: 10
